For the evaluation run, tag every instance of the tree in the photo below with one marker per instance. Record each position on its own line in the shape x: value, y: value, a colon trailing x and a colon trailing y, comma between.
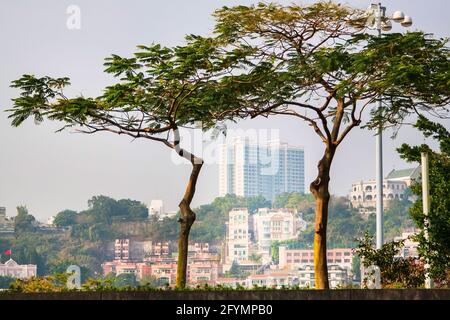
x: 66, y: 218
x: 255, y: 257
x: 315, y: 63
x: 125, y: 280
x: 133, y: 209
x: 6, y: 281
x: 281, y: 200
x: 256, y: 202
x: 437, y: 248
x: 24, y: 222
x: 397, y: 218
x: 25, y: 252
x: 300, y: 202
x: 160, y: 90
x: 60, y: 267
x: 105, y: 209
x: 102, y: 209
x: 228, y: 202
x: 356, y: 268
x: 150, y: 281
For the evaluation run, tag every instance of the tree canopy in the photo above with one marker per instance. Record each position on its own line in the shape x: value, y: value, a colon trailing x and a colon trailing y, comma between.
x: 437, y: 249
x: 317, y: 63
x: 66, y: 218
x: 24, y: 222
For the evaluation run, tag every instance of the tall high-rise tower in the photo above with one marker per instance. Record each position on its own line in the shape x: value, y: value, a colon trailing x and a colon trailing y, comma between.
x: 250, y: 169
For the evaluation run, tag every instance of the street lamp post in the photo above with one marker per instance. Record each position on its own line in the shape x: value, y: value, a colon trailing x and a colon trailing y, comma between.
x: 378, y: 20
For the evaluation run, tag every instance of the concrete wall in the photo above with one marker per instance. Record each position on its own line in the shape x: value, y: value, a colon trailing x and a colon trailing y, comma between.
x: 354, y: 294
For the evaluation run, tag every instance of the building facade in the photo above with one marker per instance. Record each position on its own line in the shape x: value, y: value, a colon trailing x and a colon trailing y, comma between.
x: 337, y: 276
x: 20, y: 271
x: 161, y: 265
x: 271, y: 225
x: 122, y: 249
x: 6, y: 225
x: 237, y: 236
x: 298, y: 258
x: 410, y: 246
x: 250, y: 169
x: 363, y: 194
x: 156, y: 208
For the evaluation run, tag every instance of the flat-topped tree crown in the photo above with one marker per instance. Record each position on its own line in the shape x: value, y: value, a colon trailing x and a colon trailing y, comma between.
x: 315, y: 55
x: 159, y: 89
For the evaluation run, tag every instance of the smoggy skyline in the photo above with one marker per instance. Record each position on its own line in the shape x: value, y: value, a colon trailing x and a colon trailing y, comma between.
x: 49, y: 172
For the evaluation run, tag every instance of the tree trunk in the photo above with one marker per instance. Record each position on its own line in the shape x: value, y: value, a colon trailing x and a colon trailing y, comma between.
x: 186, y: 220
x: 319, y: 188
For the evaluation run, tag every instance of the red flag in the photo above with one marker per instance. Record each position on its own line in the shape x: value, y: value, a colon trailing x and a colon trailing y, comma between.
x: 8, y: 252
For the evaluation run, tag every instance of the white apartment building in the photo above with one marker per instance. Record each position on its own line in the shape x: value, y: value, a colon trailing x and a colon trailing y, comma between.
x: 237, y: 236
x: 291, y: 259
x: 247, y: 168
x: 363, y: 194
x: 302, y: 277
x: 156, y: 208
x: 337, y: 276
x: 274, y: 225
x: 274, y: 279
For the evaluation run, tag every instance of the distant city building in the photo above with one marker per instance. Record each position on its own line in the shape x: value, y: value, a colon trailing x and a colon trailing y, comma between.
x: 298, y: 258
x: 274, y: 279
x: 161, y: 248
x: 302, y: 277
x: 198, y: 248
x: 237, y: 236
x: 271, y: 225
x: 248, y: 235
x: 337, y: 276
x: 407, y: 176
x: 156, y: 208
x: 20, y: 271
x: 127, y: 250
x: 51, y: 220
x: 6, y: 225
x: 203, y: 266
x: 122, y: 249
x: 118, y: 267
x: 410, y: 247
x: 364, y: 193
x: 3, y: 218
x: 250, y: 169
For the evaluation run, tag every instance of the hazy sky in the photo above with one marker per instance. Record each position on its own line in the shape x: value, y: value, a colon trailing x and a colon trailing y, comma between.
x: 50, y: 171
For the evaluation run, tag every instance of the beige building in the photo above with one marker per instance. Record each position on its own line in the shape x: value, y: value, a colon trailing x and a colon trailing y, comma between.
x: 363, y: 194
